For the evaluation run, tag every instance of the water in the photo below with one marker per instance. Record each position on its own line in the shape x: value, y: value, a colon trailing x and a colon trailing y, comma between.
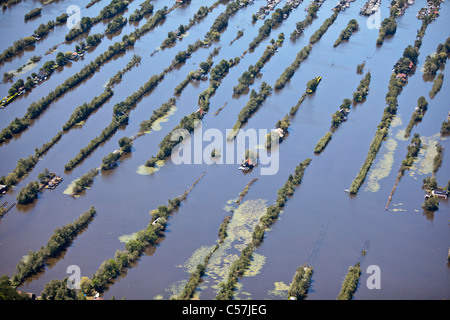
x: 409, y: 245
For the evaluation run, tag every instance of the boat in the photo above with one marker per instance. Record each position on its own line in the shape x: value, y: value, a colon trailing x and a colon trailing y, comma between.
x: 247, y: 165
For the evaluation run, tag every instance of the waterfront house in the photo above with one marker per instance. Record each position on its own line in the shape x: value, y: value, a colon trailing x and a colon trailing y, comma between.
x: 42, y: 75
x: 440, y: 193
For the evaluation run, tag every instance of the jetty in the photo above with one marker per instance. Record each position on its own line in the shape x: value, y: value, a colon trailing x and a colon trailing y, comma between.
x: 4, y: 209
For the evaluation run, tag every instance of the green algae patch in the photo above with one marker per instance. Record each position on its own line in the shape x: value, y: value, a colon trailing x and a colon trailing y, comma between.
x: 156, y: 126
x: 127, y: 237
x: 239, y: 234
x: 383, y: 167
x: 69, y: 189
x: 239, y: 230
x: 423, y: 165
x: 198, y: 257
x: 146, y: 171
x: 280, y: 290
x: 256, y: 265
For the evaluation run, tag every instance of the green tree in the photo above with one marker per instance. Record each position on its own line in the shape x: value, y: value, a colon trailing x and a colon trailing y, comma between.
x: 125, y: 144
x: 60, y: 59
x: 8, y: 292
x: 431, y: 204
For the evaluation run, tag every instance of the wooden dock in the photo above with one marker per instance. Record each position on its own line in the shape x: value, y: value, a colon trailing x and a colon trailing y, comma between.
x: 3, y: 211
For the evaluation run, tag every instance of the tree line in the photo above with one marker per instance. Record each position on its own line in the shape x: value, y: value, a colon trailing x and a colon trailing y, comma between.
x: 434, y: 63
x: 238, y: 267
x: 248, y: 77
x: 146, y: 7
x: 350, y: 283
x: 120, y: 117
x: 37, y: 108
x: 264, y: 31
x: 302, y: 25
x: 396, y: 83
x: 111, y: 268
x: 300, y: 282
x: 58, y: 242
x: 254, y: 102
x: 345, y: 34
x: 417, y: 115
x: 341, y: 114
x: 221, y: 21
x: 109, y: 11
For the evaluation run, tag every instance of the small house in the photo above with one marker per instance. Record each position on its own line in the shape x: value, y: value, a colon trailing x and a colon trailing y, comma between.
x: 42, y: 75
x: 280, y: 132
x: 440, y: 193
x: 248, y: 163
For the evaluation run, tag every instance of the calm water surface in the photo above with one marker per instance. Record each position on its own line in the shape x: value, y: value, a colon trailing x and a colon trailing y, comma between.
x: 320, y: 225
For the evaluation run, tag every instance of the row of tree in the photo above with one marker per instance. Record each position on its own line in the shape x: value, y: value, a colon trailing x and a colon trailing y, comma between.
x: 195, y: 277
x: 396, y: 84
x: 111, y: 268
x: 302, y: 25
x: 37, y: 108
x: 363, y: 89
x: 248, y: 77
x: 417, y: 115
x: 109, y: 161
x: 135, y: 60
x: 221, y: 21
x: 204, y: 69
x: 264, y: 31
x: 116, y: 24
x: 85, y: 181
x: 238, y: 267
x: 434, y: 62
x: 33, y: 13
x: 289, y: 72
x: 437, y: 85
x: 300, y: 282
x: 254, y: 102
x: 217, y: 74
x: 345, y: 34
x: 86, y: 23
x: 146, y: 7
x: 350, y: 283
x: 58, y: 242
x: 324, y: 27
x: 120, y: 117
x: 83, y: 111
